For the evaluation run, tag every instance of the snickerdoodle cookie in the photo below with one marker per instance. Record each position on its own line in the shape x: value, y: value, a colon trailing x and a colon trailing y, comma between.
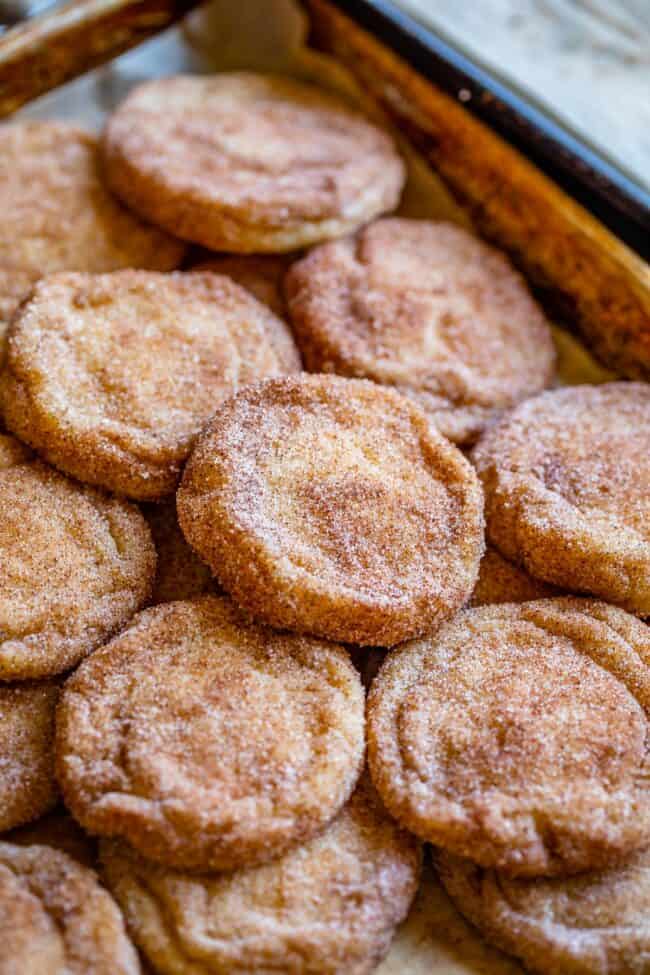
x: 517, y: 735
x: 76, y: 565
x: 56, y: 918
x: 566, y: 478
x: 110, y: 377
x: 261, y: 274
x: 180, y: 573
x: 429, y: 309
x: 331, y: 506
x: 500, y: 581
x: 57, y: 214
x: 249, y: 163
x: 208, y: 742
x: 329, y: 907
x: 593, y: 924
x: 27, y: 785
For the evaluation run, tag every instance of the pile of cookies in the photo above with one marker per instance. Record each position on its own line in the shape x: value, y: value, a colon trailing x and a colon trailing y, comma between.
x: 257, y: 435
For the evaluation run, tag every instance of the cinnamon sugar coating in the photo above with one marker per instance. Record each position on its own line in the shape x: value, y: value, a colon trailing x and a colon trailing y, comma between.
x: 566, y: 479
x: 429, y: 309
x: 262, y: 275
x: 207, y: 742
x: 329, y: 907
x: 517, y: 736
x: 500, y: 581
x: 592, y: 924
x: 180, y: 573
x: 249, y: 163
x: 57, y: 215
x: 110, y: 377
x: 27, y: 785
x: 76, y: 565
x: 56, y: 918
x: 330, y: 506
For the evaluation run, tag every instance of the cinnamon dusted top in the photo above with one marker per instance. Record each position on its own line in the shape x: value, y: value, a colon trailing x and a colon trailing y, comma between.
x: 566, y: 479
x: 76, y: 565
x: 517, y: 735
x: 208, y: 742
x: 110, y: 377
x: 331, y: 506
x: 329, y: 907
x: 57, y: 214
x: 56, y: 917
x: 427, y: 308
x: 249, y: 163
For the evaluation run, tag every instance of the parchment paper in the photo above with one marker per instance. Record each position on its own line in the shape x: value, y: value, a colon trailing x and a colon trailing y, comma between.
x: 269, y: 35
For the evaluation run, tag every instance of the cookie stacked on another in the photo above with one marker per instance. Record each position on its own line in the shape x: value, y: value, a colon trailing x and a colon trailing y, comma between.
x: 249, y: 163
x: 58, y: 215
x: 566, y: 479
x: 110, y: 377
x: 514, y: 740
x: 204, y: 740
x: 306, y: 528
x: 76, y: 565
x: 333, y: 507
x: 429, y: 310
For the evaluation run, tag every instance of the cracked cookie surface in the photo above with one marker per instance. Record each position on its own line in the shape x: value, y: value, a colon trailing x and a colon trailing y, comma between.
x: 592, y: 924
x: 330, y: 506
x: 428, y: 309
x: 249, y: 163
x: 27, y: 784
x: 566, y: 478
x: 329, y: 907
x: 208, y: 742
x: 517, y: 735
x: 111, y: 377
x: 76, y: 565
x: 56, y: 917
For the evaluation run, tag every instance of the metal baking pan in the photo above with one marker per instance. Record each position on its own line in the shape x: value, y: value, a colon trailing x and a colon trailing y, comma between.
x: 575, y: 225
x: 604, y: 189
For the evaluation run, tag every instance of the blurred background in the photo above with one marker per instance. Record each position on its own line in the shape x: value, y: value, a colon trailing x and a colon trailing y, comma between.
x: 585, y: 62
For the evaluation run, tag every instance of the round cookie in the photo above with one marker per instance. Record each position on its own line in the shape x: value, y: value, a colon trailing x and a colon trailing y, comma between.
x: 76, y: 565
x: 429, y: 309
x: 593, y: 924
x: 566, y: 480
x: 499, y: 581
x: 330, y: 506
x: 27, y: 785
x: 180, y: 574
x: 207, y: 742
x: 110, y: 377
x: 249, y: 163
x: 262, y: 275
x: 57, y: 214
x: 516, y: 736
x: 55, y: 917
x: 329, y: 907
